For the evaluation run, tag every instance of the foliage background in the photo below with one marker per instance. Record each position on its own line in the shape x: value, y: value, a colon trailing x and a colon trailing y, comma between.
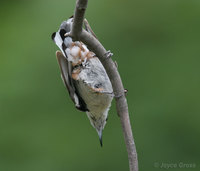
x: 156, y: 44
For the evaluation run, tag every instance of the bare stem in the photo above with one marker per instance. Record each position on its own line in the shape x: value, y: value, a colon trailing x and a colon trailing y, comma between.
x: 104, y: 56
x: 78, y: 18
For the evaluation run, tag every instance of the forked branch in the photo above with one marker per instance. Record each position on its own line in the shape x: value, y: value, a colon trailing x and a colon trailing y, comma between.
x: 78, y: 33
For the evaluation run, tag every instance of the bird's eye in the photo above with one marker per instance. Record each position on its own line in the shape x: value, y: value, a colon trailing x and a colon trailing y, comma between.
x: 98, y: 85
x: 62, y: 33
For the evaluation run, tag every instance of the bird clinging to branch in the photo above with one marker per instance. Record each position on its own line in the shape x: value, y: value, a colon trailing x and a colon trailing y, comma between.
x: 84, y: 76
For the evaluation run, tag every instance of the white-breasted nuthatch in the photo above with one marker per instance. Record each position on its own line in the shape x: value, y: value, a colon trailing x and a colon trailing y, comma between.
x: 84, y: 77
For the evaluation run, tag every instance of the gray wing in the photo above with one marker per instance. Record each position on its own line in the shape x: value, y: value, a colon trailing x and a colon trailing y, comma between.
x: 65, y: 68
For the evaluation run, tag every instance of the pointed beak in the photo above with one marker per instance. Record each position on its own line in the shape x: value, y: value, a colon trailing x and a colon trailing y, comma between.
x: 100, y: 137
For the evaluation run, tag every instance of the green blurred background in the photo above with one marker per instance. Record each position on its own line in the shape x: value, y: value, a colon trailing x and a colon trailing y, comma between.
x: 157, y: 47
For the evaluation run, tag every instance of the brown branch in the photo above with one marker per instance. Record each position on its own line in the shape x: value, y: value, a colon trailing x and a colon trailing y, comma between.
x: 93, y: 44
x: 78, y: 18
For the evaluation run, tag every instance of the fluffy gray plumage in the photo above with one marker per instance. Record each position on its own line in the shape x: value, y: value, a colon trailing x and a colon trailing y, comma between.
x: 91, y: 91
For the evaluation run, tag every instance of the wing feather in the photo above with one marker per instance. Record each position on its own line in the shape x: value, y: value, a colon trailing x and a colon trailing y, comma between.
x: 65, y: 68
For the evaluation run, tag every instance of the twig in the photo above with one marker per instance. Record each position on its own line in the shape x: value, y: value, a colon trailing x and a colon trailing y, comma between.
x: 78, y: 33
x: 78, y: 18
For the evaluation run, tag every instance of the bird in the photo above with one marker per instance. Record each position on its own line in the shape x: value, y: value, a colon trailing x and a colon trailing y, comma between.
x: 84, y: 76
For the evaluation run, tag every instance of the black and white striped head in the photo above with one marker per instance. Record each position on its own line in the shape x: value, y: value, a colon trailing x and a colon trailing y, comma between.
x: 65, y: 27
x: 59, y: 37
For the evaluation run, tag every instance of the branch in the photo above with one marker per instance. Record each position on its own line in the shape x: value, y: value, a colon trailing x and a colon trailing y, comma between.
x: 94, y: 45
x: 78, y: 18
